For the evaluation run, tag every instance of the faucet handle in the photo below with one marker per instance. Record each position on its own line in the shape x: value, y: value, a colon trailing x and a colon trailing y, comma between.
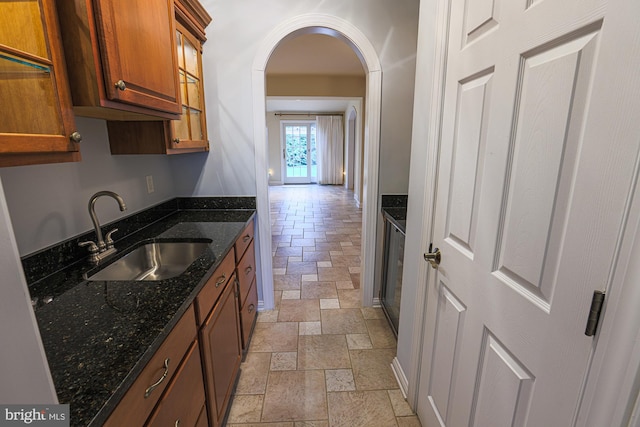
x: 93, y: 248
x: 93, y: 251
x: 108, y: 239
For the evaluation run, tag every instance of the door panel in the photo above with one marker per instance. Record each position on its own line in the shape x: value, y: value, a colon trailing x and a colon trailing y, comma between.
x: 543, y: 151
x: 466, y: 168
x: 530, y: 206
x: 504, y: 387
x: 480, y: 18
x: 449, y: 325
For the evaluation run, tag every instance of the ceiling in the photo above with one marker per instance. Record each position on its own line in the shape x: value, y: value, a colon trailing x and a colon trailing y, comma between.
x: 312, y: 54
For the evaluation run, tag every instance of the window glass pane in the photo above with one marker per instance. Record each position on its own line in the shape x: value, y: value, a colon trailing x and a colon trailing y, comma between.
x: 190, y: 57
x: 196, y: 125
x: 193, y: 88
x: 21, y: 27
x: 29, y: 86
x: 179, y: 49
x: 181, y: 127
x: 313, y: 155
x: 296, y: 150
x: 183, y: 88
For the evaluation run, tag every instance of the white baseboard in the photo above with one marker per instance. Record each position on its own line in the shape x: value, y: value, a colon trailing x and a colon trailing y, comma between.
x: 400, y: 376
x: 260, y: 305
x: 276, y: 183
x: 376, y: 302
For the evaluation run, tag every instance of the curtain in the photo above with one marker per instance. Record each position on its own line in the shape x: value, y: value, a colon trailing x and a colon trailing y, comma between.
x: 330, y: 149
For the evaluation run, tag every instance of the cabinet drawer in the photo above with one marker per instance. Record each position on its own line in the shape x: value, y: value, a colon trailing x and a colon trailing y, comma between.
x: 246, y: 273
x: 221, y: 353
x: 203, y: 419
x: 184, y: 398
x: 248, y: 314
x: 211, y: 291
x: 243, y: 241
x: 134, y: 408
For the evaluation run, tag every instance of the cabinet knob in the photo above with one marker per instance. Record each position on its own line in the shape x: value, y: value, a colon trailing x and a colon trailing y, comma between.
x: 120, y: 84
x: 176, y: 140
x: 75, y: 137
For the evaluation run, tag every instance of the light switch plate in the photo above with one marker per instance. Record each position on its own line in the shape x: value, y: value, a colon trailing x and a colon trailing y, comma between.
x: 150, y: 188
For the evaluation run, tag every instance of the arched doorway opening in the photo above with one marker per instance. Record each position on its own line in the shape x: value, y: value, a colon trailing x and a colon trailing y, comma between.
x: 335, y: 27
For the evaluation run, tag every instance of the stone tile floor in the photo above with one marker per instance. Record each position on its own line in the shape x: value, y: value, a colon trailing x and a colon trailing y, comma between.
x: 319, y: 359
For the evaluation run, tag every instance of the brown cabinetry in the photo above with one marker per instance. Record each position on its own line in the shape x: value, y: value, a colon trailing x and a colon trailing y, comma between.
x: 222, y: 353
x: 139, y: 401
x: 247, y: 289
x: 37, y: 123
x: 183, y: 401
x: 189, y: 133
x: 189, y: 381
x: 121, y: 58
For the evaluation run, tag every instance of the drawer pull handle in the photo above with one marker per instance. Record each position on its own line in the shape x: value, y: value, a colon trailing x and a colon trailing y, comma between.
x: 251, y: 307
x: 246, y: 238
x: 221, y: 280
x: 177, y: 424
x: 248, y: 270
x: 153, y: 386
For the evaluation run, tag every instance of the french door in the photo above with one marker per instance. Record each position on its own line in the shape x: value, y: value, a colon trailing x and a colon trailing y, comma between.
x: 299, y: 152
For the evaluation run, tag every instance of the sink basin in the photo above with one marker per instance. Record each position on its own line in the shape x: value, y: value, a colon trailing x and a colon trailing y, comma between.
x: 153, y: 261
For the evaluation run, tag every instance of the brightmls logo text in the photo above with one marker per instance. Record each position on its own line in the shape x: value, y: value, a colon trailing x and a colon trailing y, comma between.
x: 36, y: 415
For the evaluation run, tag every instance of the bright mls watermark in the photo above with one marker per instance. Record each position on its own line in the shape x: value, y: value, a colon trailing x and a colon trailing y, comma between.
x: 34, y: 415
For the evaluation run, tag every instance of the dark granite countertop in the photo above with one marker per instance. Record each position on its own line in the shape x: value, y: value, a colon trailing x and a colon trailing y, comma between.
x: 397, y: 216
x: 98, y: 335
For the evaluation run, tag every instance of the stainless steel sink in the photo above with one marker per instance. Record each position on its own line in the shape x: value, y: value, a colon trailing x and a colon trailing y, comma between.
x: 152, y: 261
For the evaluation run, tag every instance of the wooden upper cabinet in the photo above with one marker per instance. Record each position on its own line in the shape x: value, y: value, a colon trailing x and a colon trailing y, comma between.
x: 120, y: 58
x: 189, y: 133
x: 37, y: 123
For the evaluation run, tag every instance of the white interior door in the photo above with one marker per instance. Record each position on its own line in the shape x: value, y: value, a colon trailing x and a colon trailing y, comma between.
x: 534, y: 178
x: 299, y: 152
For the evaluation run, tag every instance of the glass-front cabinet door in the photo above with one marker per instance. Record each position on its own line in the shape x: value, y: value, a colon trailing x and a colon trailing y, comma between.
x: 190, y: 130
x: 37, y: 123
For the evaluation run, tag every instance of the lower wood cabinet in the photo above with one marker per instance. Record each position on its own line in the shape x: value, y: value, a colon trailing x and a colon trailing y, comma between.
x: 248, y: 314
x: 221, y: 352
x: 247, y: 289
x: 189, y: 382
x: 163, y: 368
x: 183, y: 402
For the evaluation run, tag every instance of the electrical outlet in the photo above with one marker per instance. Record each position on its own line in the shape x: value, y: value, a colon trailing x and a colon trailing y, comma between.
x: 150, y: 188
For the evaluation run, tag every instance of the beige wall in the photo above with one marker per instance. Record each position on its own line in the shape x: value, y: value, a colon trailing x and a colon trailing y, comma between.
x: 312, y: 85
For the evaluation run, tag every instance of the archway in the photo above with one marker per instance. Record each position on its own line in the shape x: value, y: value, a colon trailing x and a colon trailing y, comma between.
x: 336, y: 27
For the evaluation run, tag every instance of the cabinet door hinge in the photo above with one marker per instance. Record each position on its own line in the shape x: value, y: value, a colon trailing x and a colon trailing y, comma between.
x: 594, y: 313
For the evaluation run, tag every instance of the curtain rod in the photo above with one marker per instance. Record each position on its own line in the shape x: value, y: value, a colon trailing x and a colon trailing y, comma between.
x: 309, y: 114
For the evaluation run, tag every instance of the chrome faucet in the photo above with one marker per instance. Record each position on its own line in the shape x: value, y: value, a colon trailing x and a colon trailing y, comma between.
x: 100, y: 250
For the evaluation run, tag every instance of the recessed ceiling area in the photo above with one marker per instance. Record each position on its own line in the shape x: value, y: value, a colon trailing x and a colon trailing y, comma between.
x: 314, y: 54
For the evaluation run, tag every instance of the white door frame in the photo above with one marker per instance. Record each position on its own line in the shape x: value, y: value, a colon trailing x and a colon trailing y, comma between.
x: 613, y: 382
x: 336, y: 27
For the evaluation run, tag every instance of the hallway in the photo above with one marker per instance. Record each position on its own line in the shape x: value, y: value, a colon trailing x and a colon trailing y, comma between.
x: 319, y: 359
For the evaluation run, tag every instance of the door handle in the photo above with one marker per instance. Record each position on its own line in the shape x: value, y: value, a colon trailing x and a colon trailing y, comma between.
x: 433, y: 257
